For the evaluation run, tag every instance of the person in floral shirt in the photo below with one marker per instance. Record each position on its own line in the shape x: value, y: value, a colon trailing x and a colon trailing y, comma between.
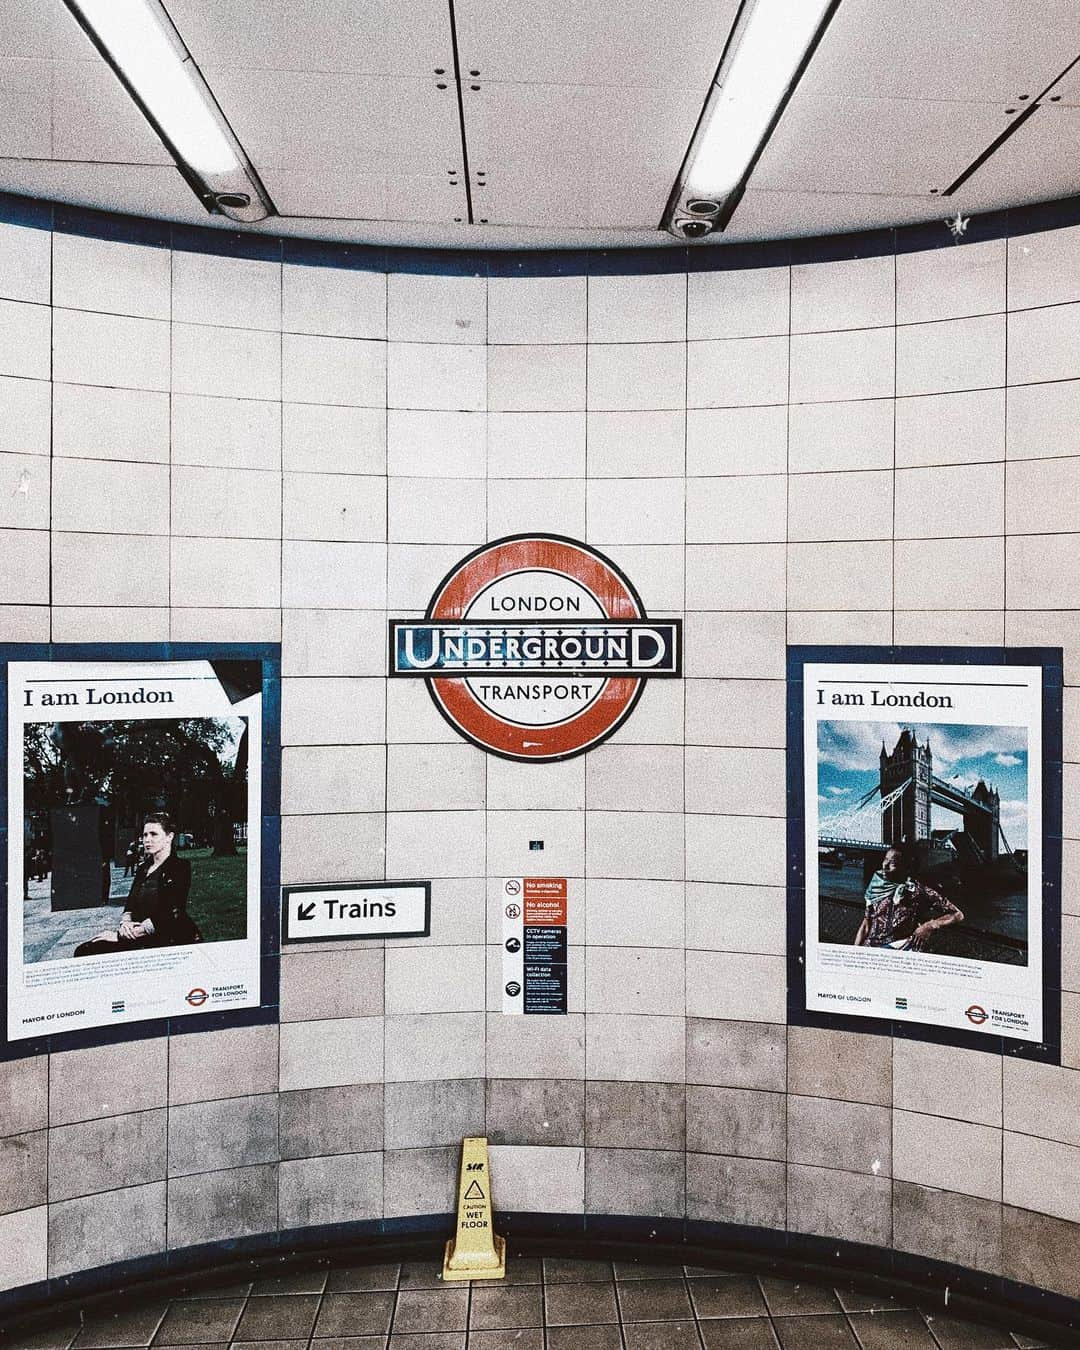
x: 902, y: 912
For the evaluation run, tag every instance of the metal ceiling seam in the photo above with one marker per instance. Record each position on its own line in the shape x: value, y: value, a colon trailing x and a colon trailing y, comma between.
x: 465, y: 172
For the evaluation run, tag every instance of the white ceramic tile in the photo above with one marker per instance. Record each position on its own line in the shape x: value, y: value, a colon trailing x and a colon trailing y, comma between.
x: 634, y: 914
x: 327, y: 439
x: 232, y: 362
x: 1041, y: 1175
x: 332, y: 848
x: 1043, y: 571
x: 636, y: 444
x: 853, y: 364
x: 429, y: 1046
x: 1041, y: 495
x: 736, y: 576
x: 735, y: 782
x: 234, y: 572
x: 840, y: 576
x: 107, y: 569
x: 411, y: 716
x: 226, y: 503
x: 225, y: 625
x: 736, y: 372
x: 512, y: 786
x: 91, y: 623
x: 429, y: 308
x: 622, y: 777
x: 349, y: 371
x: 854, y: 293
x: 100, y: 274
x: 965, y: 499
x: 434, y: 778
x: 736, y: 986
x: 94, y: 422
x: 635, y: 845
x: 632, y: 1048
x: 24, y: 491
x: 854, y: 505
x: 24, y: 427
x: 736, y: 440
x: 24, y: 340
x: 536, y: 309
x: 521, y: 505
x: 736, y: 510
x: 954, y: 354
x: 959, y: 428
x: 740, y: 645
x: 745, y: 849
x: 240, y: 433
x: 637, y: 375
x: 108, y: 497
x: 947, y: 1081
x: 640, y: 308
x: 333, y: 576
x: 512, y: 834
x: 434, y: 979
x: 24, y: 1241
x: 1043, y: 268
x: 637, y: 510
x: 634, y: 980
x: 414, y: 572
x: 332, y: 642
x: 1043, y: 344
x: 737, y: 303
x: 735, y: 712
x: 422, y: 444
x: 324, y: 779
x: 736, y: 918
x: 333, y: 301
x: 536, y: 444
x: 25, y: 256
x: 658, y: 716
x: 435, y: 843
x: 855, y: 434
x: 657, y: 571
x: 333, y: 506
x: 1042, y: 420
x: 436, y: 510
x: 110, y: 349
x: 333, y: 711
x: 330, y: 1053
x: 436, y: 375
x: 227, y: 292
x: 822, y: 627
x: 950, y: 574
x: 24, y: 623
x: 950, y: 282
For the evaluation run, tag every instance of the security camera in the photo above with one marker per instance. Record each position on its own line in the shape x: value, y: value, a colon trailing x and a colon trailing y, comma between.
x: 694, y: 229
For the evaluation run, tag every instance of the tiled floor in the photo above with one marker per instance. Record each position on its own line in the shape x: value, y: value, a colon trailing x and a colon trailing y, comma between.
x: 543, y: 1305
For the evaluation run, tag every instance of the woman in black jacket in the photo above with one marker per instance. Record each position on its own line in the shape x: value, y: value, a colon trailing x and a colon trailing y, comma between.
x: 156, y: 911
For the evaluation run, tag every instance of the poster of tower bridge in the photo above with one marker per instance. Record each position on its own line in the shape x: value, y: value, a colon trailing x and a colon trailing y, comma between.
x: 954, y: 797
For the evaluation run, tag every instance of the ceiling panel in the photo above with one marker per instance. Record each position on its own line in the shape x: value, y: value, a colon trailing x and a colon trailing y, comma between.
x: 26, y: 108
x: 769, y: 215
x: 95, y: 119
x: 990, y: 50
x: 341, y: 123
x: 366, y: 196
x: 141, y: 189
x: 1029, y: 166
x: 898, y: 147
x: 636, y: 42
x: 43, y: 29
x: 377, y: 37
x: 545, y: 146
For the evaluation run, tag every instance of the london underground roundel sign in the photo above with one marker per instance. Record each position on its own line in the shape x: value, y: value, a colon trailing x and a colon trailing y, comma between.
x: 535, y: 647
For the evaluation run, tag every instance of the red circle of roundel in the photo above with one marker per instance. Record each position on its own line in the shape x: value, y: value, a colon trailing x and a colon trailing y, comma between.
x: 617, y: 599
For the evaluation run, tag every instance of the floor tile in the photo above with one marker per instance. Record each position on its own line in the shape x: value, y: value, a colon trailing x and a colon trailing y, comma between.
x: 903, y: 1330
x: 366, y: 1314
x: 738, y: 1333
x: 816, y: 1332
x: 132, y: 1327
x: 519, y: 1270
x: 654, y: 1300
x: 584, y: 1338
x: 521, y: 1338
x: 292, y: 1282
x: 431, y: 1310
x: 269, y: 1345
x: 866, y: 1298
x: 662, y: 1336
x: 421, y: 1275
x: 643, y: 1270
x: 360, y: 1279
x: 953, y: 1334
x: 727, y: 1296
x: 199, y: 1321
x: 515, y: 1305
x: 580, y: 1304
x: 278, y: 1317
x: 429, y: 1340
x: 48, y: 1337
x: 786, y: 1297
x: 575, y: 1272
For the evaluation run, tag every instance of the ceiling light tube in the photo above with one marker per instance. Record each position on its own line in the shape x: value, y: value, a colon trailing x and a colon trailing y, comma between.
x: 138, y: 40
x: 769, y: 49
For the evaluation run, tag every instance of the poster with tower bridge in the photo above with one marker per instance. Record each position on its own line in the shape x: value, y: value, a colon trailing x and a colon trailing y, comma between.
x: 923, y: 840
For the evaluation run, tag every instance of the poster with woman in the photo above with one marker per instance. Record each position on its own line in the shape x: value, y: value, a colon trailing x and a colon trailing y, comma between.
x: 134, y: 825
x: 928, y: 837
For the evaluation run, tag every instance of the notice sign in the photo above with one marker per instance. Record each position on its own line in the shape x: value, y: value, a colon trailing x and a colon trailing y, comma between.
x: 534, y: 945
x: 358, y: 909
x: 928, y: 786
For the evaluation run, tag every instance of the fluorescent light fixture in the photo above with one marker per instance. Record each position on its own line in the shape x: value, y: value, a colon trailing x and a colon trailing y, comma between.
x: 139, y: 41
x: 766, y: 55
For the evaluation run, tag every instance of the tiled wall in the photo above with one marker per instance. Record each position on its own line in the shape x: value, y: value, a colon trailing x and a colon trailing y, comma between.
x: 221, y: 448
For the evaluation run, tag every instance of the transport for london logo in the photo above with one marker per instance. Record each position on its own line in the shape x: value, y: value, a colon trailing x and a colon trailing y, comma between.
x: 535, y: 647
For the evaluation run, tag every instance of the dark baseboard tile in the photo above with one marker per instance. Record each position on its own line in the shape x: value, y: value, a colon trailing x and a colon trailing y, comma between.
x: 543, y: 1112
x: 947, y: 1226
x: 1041, y: 1251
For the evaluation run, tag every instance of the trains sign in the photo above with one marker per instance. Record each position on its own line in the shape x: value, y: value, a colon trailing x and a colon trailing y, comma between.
x: 535, y: 647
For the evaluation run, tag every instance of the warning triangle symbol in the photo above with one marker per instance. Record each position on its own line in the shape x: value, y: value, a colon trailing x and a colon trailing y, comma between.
x: 474, y: 1192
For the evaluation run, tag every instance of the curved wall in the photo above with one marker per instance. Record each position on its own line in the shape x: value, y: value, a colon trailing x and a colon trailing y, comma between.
x: 852, y: 445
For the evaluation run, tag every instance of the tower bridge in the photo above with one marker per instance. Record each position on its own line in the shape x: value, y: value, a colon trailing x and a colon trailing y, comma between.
x: 897, y: 810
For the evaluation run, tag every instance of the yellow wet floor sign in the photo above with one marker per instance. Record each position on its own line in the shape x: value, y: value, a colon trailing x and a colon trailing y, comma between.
x: 476, y: 1252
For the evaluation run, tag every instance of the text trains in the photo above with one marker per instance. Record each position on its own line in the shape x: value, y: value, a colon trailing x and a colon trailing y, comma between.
x: 610, y: 648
